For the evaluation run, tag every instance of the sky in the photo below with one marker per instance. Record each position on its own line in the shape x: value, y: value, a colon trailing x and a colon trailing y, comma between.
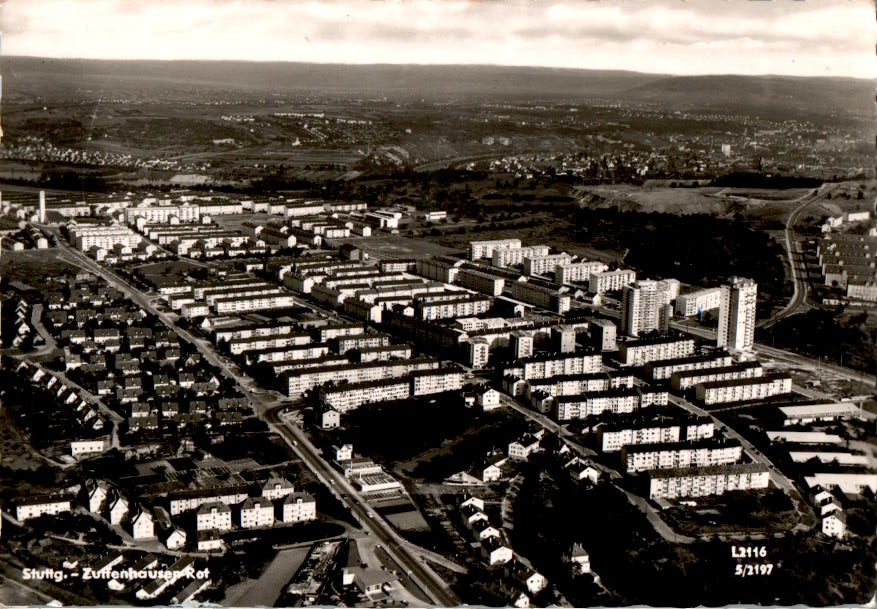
x: 792, y: 37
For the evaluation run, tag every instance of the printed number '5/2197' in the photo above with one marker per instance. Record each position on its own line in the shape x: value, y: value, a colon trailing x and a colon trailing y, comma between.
x: 753, y: 570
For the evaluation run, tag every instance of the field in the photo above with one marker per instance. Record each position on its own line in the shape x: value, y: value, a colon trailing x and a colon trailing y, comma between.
x: 385, y: 247
x: 32, y: 267
x: 450, y: 436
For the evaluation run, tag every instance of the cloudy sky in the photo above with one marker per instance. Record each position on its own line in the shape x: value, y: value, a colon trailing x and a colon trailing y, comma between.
x: 809, y: 37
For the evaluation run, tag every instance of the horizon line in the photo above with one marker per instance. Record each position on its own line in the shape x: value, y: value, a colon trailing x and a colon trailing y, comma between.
x: 439, y: 65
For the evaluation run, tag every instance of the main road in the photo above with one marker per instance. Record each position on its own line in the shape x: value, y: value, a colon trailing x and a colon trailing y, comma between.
x: 796, y: 260
x: 438, y: 591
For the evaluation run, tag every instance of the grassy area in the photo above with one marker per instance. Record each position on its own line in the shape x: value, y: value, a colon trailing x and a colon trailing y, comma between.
x: 767, y: 511
x: 32, y: 267
x: 847, y: 337
x: 426, y: 440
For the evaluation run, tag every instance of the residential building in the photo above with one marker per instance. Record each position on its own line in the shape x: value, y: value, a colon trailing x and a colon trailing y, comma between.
x: 743, y: 389
x: 581, y: 561
x: 142, y: 526
x: 835, y: 524
x: 488, y: 399
x: 495, y: 551
x: 700, y: 301
x: 330, y: 419
x: 277, y: 488
x: 174, y: 538
x: 704, y: 481
x: 215, y: 516
x: 298, y: 507
x: 645, y: 307
x: 737, y: 315
x: 33, y: 507
x: 603, y: 334
x: 675, y: 455
x: 684, y: 380
x: 640, y: 351
x: 485, y: 249
x: 546, y: 264
x: 577, y: 272
x: 257, y: 513
x: 610, y: 281
x: 512, y: 256
x: 209, y: 541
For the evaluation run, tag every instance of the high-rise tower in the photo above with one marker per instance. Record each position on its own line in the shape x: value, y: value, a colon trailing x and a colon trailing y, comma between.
x: 737, y: 314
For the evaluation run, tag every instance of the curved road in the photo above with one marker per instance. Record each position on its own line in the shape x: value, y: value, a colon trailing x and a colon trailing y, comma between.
x: 796, y: 262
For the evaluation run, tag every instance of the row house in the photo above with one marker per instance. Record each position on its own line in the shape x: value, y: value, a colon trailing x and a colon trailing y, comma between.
x: 37, y: 505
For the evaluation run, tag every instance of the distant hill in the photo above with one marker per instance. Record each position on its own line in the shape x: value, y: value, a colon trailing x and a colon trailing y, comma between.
x: 770, y: 96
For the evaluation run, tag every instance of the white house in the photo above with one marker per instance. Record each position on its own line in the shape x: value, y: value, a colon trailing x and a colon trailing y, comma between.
x: 522, y: 601
x: 581, y: 562
x: 473, y: 501
x: 484, y: 529
x: 42, y: 504
x: 142, y: 526
x: 97, y: 494
x: 299, y: 507
x: 835, y: 525
x: 276, y: 488
x: 175, y: 538
x: 488, y: 399
x: 345, y: 453
x: 215, y: 515
x: 495, y: 551
x: 118, y: 510
x: 209, y: 541
x: 79, y: 448
x: 330, y: 419
x: 257, y: 513
x: 535, y: 582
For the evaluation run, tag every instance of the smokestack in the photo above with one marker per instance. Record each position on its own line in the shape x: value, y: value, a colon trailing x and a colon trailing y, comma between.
x: 42, y: 207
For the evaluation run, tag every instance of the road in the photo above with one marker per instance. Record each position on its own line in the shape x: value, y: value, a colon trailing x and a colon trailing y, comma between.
x: 114, y: 417
x: 437, y: 590
x: 797, y: 263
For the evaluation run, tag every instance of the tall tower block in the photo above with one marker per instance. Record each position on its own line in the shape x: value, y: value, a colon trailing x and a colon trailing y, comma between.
x: 42, y: 207
x: 737, y: 315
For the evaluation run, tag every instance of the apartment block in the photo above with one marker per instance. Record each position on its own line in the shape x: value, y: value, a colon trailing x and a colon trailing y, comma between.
x: 743, y: 390
x: 512, y: 256
x: 610, y: 281
x: 701, y: 301
x: 485, y: 249
x: 676, y: 455
x: 659, y: 370
x: 706, y: 481
x: 577, y: 272
x: 684, y: 380
x: 639, y: 352
x: 543, y: 265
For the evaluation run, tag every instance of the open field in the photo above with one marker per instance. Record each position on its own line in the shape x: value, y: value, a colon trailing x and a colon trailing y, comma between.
x: 31, y: 267
x: 385, y: 247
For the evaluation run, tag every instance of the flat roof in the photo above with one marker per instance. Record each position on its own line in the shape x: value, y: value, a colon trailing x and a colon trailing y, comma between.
x: 827, y: 409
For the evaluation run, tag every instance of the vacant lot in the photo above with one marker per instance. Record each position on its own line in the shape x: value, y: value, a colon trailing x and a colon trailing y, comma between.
x: 383, y: 247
